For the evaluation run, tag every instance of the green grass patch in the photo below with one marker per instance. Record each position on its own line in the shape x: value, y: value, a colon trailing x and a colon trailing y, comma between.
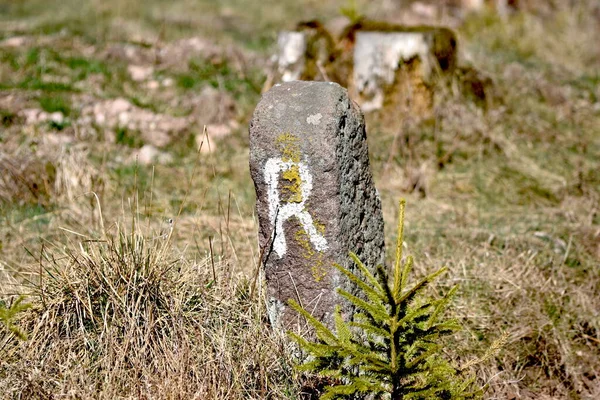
x: 18, y: 214
x: 128, y: 138
x: 55, y: 103
x: 219, y: 74
x: 50, y: 70
x: 130, y: 178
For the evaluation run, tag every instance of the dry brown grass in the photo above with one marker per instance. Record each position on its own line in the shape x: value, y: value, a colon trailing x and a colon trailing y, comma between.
x: 507, y: 196
x: 24, y: 179
x: 125, y: 316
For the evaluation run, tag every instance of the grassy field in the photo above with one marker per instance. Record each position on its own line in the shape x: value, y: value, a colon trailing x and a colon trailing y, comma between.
x: 137, y: 250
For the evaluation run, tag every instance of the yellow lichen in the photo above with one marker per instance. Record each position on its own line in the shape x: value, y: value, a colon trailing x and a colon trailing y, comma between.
x: 302, y: 239
x: 316, y: 257
x: 319, y: 226
x: 293, y: 189
x: 318, y: 271
x: 290, y: 150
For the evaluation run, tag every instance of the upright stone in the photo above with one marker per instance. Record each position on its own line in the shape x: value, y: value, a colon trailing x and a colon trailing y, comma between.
x: 316, y: 200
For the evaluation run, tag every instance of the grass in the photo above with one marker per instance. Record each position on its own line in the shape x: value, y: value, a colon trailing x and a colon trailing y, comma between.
x: 55, y: 104
x: 141, y: 322
x: 506, y: 197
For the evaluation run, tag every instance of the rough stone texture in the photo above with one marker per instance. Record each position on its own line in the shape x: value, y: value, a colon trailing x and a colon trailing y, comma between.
x: 316, y: 200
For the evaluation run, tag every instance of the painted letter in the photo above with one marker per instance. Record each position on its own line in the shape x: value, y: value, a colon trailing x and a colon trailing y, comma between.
x: 273, y: 167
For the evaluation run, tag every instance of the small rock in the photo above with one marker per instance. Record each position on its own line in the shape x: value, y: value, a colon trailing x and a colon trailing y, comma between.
x: 153, y: 85
x: 57, y: 139
x: 31, y: 115
x: 473, y: 5
x: 219, y: 131
x: 155, y: 129
x: 35, y: 116
x: 100, y: 118
x: 149, y: 154
x: 43, y: 116
x: 124, y: 118
x: 119, y: 105
x: 140, y: 73
x: 424, y: 10
x: 15, y: 41
x: 56, y: 117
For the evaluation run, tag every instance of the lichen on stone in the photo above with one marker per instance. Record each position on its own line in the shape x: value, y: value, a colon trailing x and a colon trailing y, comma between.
x: 319, y: 225
x: 316, y: 257
x: 293, y: 188
x: 288, y: 145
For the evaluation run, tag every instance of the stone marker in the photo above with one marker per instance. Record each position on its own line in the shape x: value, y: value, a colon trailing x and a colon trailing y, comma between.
x: 316, y: 200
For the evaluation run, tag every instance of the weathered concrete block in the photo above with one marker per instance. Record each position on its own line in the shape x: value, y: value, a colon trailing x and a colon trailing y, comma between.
x: 291, y: 55
x: 386, y: 67
x: 316, y: 200
x: 377, y: 58
x: 304, y: 54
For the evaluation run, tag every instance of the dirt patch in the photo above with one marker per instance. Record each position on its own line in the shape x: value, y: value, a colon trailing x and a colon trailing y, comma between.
x: 210, y: 106
x: 156, y: 129
x: 174, y: 56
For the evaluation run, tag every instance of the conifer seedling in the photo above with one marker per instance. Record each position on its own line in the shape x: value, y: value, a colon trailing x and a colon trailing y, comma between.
x: 391, y: 348
x: 8, y: 314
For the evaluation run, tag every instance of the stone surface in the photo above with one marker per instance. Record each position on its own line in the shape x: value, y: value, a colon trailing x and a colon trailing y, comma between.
x: 291, y: 48
x: 15, y: 41
x: 303, y: 54
x: 377, y: 57
x: 35, y: 116
x: 316, y: 200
